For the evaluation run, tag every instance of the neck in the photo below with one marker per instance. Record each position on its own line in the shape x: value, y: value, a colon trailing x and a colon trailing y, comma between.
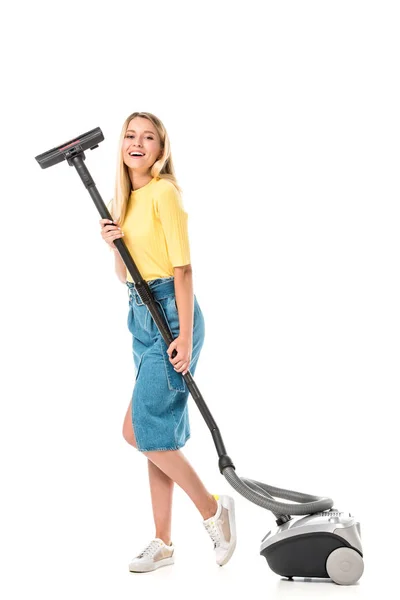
x: 139, y: 179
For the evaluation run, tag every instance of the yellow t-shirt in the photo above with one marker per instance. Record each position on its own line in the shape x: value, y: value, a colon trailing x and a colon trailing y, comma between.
x: 156, y: 230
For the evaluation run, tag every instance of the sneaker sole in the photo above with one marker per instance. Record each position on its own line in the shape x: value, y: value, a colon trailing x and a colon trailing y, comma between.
x: 145, y: 569
x: 230, y: 505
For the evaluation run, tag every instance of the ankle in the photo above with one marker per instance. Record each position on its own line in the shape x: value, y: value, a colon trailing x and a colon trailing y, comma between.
x: 165, y: 538
x: 211, y: 508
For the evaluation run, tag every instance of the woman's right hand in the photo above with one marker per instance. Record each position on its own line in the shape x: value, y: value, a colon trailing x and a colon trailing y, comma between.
x: 110, y: 232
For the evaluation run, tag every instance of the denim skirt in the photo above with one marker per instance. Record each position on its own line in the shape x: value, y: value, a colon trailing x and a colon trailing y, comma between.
x: 160, y: 417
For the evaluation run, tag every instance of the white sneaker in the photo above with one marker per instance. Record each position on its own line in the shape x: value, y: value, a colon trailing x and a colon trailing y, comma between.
x: 222, y: 529
x: 156, y: 554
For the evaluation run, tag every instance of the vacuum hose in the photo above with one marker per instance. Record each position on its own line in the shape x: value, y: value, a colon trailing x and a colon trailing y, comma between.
x: 263, y: 495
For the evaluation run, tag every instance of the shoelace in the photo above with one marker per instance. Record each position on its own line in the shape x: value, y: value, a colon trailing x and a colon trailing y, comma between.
x: 150, y: 549
x: 214, y: 533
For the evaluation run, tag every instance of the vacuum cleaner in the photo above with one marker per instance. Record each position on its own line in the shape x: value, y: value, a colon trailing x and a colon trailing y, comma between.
x: 312, y: 539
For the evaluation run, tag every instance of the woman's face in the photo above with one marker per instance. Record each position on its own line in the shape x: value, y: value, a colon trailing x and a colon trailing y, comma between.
x: 141, y: 136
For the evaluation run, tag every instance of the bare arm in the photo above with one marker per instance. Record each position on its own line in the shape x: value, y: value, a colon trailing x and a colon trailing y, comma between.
x: 120, y: 267
x: 110, y: 231
x: 184, y: 300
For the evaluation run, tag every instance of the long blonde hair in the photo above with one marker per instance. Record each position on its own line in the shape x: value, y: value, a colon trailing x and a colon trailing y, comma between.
x: 163, y: 167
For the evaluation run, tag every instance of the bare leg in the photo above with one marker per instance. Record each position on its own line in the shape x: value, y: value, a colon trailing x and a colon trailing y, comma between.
x: 175, y: 465
x: 170, y: 466
x: 161, y: 488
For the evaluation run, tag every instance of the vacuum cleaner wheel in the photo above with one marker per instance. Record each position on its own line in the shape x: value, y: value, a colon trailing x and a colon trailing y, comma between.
x: 345, y: 566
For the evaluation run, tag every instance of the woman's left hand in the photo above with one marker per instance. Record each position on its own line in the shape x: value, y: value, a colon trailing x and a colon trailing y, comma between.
x: 181, y: 361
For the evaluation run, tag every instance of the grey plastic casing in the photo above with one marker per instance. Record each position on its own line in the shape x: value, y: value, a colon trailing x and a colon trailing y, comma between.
x: 332, y: 521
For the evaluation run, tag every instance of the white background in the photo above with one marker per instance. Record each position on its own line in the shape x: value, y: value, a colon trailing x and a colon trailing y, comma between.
x: 284, y: 125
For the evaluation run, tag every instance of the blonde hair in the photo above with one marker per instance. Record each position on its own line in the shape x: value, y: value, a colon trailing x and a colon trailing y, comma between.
x: 163, y: 167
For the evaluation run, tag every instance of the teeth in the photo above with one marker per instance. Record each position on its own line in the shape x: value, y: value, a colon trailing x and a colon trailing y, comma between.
x: 136, y: 154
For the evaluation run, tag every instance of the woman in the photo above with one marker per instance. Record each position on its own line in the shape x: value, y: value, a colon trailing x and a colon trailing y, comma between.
x: 147, y: 205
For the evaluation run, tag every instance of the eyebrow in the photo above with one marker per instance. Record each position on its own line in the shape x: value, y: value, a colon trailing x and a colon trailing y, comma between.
x: 145, y: 131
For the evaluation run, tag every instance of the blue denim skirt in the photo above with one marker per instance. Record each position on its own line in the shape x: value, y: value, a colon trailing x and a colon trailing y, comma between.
x: 160, y: 417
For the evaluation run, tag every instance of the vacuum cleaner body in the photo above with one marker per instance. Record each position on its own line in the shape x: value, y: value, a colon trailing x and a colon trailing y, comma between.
x: 326, y: 545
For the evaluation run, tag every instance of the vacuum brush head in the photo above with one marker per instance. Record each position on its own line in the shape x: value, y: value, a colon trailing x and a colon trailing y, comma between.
x: 66, y: 151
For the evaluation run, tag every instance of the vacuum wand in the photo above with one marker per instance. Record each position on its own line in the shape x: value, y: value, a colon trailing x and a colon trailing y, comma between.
x: 255, y: 491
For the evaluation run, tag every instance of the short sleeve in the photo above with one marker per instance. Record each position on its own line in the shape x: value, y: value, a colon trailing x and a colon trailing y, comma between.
x: 174, y: 221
